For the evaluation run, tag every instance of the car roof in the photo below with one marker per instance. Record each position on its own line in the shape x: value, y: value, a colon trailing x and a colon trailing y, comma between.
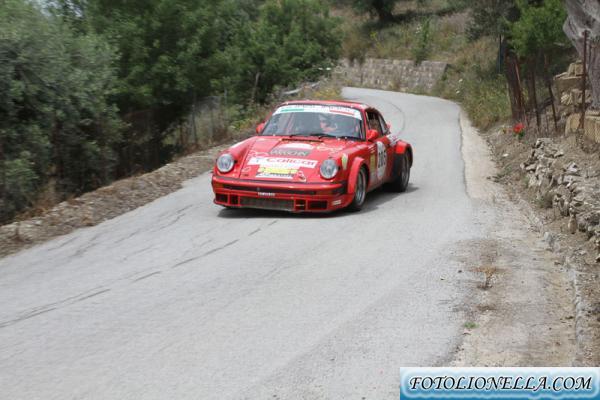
x: 352, y: 104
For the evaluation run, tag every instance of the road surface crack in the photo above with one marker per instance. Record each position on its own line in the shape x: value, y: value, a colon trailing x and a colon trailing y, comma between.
x: 51, y: 307
x: 209, y: 252
x: 147, y: 276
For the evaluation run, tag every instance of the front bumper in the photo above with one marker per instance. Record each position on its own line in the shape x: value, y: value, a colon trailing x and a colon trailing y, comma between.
x: 284, y: 196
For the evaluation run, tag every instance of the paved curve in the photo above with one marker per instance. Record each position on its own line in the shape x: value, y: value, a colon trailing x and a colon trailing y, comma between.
x: 180, y: 299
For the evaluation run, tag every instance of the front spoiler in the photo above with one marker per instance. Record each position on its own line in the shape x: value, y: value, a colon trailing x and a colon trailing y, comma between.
x: 283, y: 196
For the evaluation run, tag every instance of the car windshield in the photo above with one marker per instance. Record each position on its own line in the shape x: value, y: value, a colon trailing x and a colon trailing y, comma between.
x: 315, y: 120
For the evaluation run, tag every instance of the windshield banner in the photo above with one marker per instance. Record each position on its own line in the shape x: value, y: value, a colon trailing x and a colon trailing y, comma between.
x: 324, y: 109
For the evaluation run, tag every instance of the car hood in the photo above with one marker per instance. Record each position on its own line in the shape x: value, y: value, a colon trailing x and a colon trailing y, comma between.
x: 290, y: 159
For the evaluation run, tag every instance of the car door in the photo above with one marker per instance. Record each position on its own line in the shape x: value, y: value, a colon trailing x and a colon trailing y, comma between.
x: 391, y: 144
x: 381, y: 157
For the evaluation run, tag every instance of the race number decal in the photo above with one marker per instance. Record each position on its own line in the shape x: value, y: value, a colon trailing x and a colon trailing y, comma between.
x: 381, y: 160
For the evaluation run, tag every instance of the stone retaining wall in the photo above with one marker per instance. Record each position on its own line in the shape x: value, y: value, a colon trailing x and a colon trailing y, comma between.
x: 572, y: 190
x: 402, y: 75
x: 568, y: 85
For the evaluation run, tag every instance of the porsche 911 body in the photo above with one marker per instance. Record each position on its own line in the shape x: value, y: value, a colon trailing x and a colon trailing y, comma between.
x: 312, y: 156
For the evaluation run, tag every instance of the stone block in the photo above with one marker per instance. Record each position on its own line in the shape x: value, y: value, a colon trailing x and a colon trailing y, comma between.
x: 572, y: 124
x: 575, y: 97
x: 566, y: 99
x: 567, y: 83
x: 575, y: 69
x: 592, y: 128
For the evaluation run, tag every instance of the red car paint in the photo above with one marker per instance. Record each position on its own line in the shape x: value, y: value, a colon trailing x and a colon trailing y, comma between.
x: 283, y: 172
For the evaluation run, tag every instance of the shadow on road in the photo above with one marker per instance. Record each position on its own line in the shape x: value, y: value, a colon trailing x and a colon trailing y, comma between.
x: 374, y: 201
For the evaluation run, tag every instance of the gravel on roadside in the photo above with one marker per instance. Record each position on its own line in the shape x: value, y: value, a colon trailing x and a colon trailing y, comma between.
x: 559, y: 176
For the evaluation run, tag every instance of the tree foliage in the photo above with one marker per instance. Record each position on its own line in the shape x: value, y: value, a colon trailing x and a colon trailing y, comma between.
x: 539, y: 28
x: 56, y: 118
x: 292, y: 40
x: 491, y: 18
x: 76, y: 77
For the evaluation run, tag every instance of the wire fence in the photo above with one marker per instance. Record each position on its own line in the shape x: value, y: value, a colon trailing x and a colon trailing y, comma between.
x: 530, y: 94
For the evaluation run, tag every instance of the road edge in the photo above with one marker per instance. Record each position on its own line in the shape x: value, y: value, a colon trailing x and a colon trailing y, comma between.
x: 489, y: 313
x: 108, y: 202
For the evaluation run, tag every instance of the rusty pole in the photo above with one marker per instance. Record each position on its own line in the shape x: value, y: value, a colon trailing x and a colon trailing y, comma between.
x: 549, y: 84
x: 511, y: 89
x: 583, y: 81
x: 534, y: 96
x: 520, y: 94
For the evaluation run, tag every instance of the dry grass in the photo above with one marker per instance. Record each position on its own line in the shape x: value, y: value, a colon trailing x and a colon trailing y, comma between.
x: 399, y: 41
x: 471, y: 79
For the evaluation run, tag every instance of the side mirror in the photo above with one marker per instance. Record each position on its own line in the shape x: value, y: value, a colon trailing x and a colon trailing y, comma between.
x: 389, y: 127
x: 372, y: 135
x: 260, y: 127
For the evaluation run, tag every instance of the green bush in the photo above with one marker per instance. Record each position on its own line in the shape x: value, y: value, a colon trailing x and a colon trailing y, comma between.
x: 56, y: 117
x: 539, y: 29
x: 423, y: 46
x: 74, y: 70
x: 292, y: 41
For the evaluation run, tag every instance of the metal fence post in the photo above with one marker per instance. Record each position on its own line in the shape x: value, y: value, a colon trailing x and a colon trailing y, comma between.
x: 583, y: 81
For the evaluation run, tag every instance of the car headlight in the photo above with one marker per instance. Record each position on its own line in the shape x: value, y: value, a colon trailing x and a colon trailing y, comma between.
x: 329, y: 169
x: 225, y: 163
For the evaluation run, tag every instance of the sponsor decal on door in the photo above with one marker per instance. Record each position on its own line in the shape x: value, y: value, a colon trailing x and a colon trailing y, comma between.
x: 381, y: 160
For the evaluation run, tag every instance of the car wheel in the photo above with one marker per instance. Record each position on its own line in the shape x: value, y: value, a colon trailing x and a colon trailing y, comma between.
x: 360, y: 190
x: 402, y: 168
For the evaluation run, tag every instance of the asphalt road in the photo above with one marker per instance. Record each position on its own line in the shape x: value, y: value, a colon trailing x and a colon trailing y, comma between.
x: 181, y: 299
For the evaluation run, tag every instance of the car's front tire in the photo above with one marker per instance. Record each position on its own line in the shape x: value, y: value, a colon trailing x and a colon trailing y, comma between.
x: 402, y: 170
x: 360, y: 190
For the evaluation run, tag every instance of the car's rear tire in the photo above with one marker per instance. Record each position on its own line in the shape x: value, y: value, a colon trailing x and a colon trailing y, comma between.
x: 360, y: 191
x: 402, y: 170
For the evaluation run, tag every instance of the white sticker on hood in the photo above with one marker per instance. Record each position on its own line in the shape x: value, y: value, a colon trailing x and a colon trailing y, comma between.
x: 282, y: 162
x: 296, y: 145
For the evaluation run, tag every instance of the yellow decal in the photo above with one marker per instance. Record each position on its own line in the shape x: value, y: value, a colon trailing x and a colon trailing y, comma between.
x: 344, y: 161
x: 277, y: 171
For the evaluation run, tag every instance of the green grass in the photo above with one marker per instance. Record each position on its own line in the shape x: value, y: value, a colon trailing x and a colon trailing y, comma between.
x: 470, y: 325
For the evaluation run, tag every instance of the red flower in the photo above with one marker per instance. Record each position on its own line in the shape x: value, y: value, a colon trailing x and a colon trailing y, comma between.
x: 518, y: 128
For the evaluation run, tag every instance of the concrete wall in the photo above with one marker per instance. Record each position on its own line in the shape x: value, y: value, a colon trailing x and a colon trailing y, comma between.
x: 402, y: 75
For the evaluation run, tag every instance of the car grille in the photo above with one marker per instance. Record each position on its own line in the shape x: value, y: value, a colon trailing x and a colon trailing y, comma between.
x: 257, y: 189
x: 267, y: 204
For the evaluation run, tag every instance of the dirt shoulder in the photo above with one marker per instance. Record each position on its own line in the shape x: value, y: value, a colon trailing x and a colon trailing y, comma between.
x: 521, y: 311
x: 559, y: 177
x: 107, y: 202
x: 550, y: 186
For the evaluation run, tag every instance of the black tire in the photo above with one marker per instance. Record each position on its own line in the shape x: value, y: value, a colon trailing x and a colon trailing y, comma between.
x: 402, y: 170
x: 360, y: 191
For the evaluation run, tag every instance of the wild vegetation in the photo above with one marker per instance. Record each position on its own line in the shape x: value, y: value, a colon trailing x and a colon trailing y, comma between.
x: 91, y: 89
x: 474, y: 38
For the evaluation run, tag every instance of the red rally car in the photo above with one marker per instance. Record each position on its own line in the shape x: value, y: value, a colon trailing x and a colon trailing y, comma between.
x: 313, y: 156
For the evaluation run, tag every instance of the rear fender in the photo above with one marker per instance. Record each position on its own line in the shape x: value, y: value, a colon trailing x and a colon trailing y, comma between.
x: 356, y: 165
x: 404, y: 148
